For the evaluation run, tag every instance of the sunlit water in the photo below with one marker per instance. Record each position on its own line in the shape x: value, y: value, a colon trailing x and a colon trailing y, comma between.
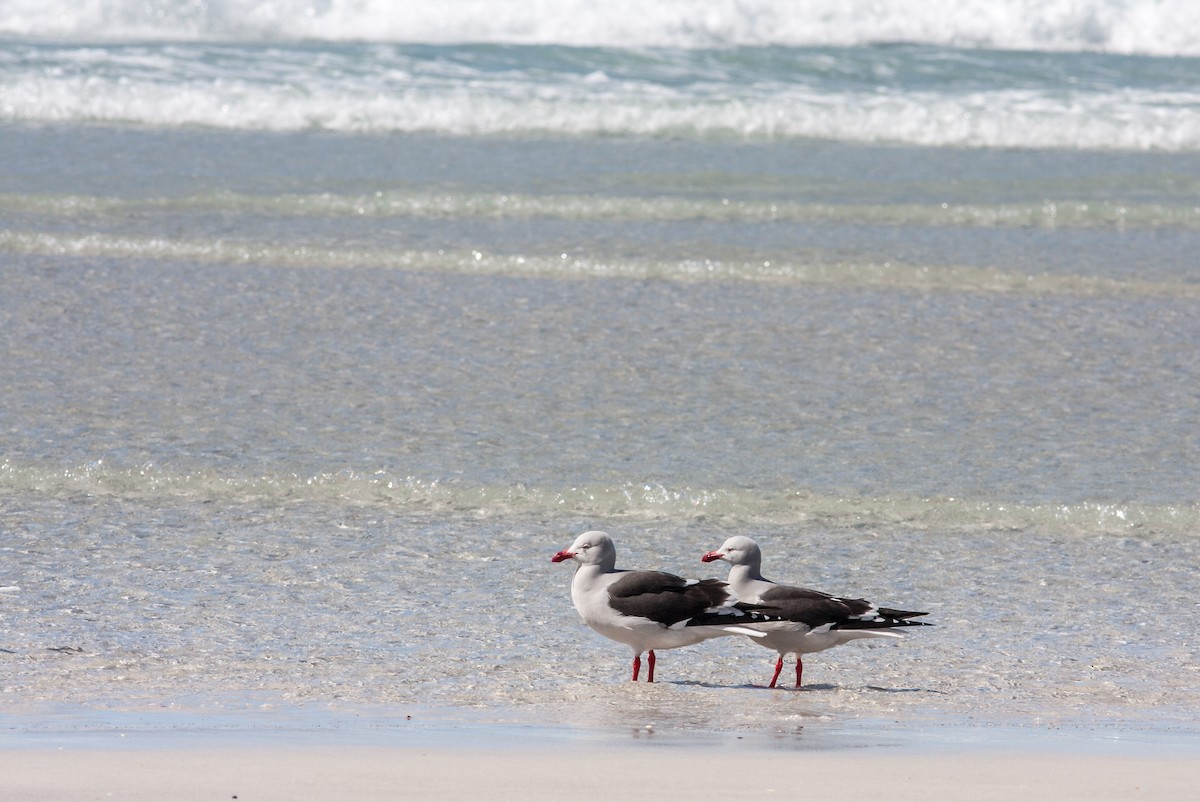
x: 296, y: 414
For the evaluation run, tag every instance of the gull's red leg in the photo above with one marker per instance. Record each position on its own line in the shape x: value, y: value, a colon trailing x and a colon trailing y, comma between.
x: 778, y: 668
x: 650, y: 666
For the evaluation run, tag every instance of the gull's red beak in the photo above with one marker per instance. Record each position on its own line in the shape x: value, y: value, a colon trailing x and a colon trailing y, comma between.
x: 710, y: 557
x: 562, y: 555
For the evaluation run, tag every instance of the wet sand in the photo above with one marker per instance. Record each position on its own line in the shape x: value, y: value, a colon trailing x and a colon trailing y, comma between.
x: 574, y: 772
x: 356, y: 755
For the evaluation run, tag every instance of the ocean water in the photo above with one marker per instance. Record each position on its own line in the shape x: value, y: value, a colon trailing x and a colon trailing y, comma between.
x: 324, y: 325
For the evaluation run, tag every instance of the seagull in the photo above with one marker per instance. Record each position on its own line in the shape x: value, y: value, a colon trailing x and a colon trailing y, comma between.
x: 814, y: 621
x: 648, y: 610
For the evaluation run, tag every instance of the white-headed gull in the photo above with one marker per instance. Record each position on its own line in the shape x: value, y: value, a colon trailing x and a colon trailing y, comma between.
x: 814, y: 621
x: 649, y: 610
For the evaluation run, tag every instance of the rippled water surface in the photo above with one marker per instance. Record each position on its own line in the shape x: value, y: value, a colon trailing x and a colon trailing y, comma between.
x: 298, y: 418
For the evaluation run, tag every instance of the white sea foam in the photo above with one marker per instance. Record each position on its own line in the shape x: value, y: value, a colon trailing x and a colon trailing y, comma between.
x: 1129, y: 119
x: 1160, y: 27
x: 695, y: 87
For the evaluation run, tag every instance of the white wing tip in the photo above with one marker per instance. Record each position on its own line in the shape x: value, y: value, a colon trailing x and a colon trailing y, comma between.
x: 735, y: 630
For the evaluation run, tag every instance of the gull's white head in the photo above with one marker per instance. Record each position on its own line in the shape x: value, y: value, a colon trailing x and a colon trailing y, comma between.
x: 590, y: 548
x: 738, y: 550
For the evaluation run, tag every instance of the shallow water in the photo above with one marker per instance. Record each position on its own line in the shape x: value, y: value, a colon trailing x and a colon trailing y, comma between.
x: 126, y: 605
x: 294, y: 416
x: 307, y: 483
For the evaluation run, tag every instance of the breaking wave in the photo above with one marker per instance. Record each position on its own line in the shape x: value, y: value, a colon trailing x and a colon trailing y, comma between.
x: 1159, y: 27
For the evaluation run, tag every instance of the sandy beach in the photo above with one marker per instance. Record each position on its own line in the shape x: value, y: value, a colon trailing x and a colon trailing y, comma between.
x: 555, y: 773
x: 361, y: 756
